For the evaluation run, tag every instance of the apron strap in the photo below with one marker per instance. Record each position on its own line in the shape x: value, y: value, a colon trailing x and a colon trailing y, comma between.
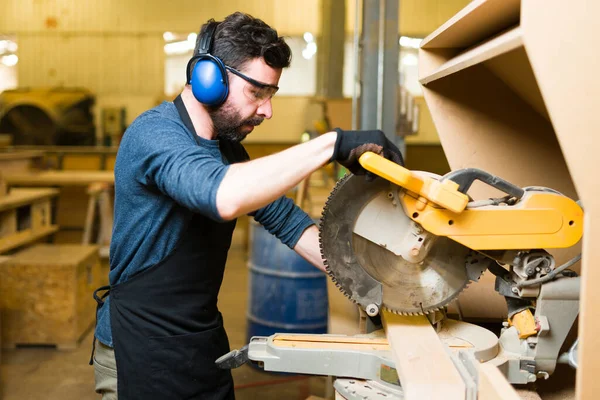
x: 185, y: 117
x: 100, y: 303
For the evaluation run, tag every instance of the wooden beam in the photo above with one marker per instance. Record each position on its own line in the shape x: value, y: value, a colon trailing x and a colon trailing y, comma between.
x: 493, y: 385
x: 424, y: 368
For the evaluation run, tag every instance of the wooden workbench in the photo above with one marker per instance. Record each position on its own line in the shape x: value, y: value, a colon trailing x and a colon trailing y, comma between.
x: 72, y: 214
x: 58, y: 178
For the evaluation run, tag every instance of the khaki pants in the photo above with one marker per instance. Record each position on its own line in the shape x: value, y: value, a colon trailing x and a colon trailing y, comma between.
x: 105, y: 371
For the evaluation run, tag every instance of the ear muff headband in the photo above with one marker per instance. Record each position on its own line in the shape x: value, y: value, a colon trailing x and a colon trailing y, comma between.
x: 208, y: 78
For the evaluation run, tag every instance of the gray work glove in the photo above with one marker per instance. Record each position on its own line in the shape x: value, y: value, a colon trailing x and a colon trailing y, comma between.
x: 350, y: 145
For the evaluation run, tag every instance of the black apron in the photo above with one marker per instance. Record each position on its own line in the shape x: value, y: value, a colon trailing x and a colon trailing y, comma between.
x: 167, y: 330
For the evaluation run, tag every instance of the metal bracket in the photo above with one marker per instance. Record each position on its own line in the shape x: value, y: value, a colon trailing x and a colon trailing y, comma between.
x: 527, y: 365
x: 233, y: 359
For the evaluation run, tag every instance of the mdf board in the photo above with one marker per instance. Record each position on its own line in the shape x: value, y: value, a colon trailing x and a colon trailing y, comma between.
x: 528, y: 113
x: 46, y: 295
x: 567, y: 66
x: 484, y: 97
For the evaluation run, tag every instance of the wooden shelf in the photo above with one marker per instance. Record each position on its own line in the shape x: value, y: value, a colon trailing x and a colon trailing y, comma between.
x: 59, y: 178
x: 502, y: 44
x: 23, y: 196
x: 25, y: 216
x: 478, y: 21
x: 513, y: 88
x: 24, y: 237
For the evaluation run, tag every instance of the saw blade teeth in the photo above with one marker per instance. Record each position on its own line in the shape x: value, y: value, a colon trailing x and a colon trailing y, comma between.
x: 322, y: 221
x: 336, y: 206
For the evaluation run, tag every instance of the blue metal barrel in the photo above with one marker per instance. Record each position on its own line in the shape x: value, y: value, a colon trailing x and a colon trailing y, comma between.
x: 286, y: 293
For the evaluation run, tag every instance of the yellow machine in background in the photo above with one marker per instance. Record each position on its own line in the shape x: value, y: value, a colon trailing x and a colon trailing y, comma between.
x: 57, y: 116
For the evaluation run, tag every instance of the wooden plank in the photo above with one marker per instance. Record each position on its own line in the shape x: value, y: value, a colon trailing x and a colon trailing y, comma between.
x: 66, y: 149
x: 20, y: 155
x: 571, y: 90
x: 493, y: 385
x: 331, y: 342
x: 424, y: 368
x: 24, y: 237
x: 501, y: 44
x: 19, y: 161
x: 332, y: 339
x: 479, y: 20
x: 23, y: 196
x: 59, y: 178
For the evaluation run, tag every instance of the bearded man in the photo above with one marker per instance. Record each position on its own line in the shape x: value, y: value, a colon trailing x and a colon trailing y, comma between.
x: 182, y: 177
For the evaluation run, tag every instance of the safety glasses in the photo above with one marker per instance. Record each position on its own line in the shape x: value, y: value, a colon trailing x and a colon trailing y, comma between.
x: 256, y: 91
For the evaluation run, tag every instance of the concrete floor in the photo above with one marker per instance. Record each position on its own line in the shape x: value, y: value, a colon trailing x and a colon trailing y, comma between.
x: 45, y: 373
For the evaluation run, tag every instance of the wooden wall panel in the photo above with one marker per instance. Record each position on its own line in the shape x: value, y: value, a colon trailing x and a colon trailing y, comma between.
x: 150, y: 16
x: 104, y: 64
x: 418, y: 18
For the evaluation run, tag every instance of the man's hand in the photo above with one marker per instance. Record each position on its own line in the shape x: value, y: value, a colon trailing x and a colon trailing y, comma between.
x: 350, y: 145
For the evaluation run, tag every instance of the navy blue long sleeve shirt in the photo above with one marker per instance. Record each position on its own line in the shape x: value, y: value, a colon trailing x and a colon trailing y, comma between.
x: 163, y: 174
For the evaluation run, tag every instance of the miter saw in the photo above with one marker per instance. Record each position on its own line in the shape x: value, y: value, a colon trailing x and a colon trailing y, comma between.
x: 409, y: 242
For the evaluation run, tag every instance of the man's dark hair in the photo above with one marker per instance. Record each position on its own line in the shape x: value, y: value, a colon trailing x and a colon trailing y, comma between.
x: 240, y: 38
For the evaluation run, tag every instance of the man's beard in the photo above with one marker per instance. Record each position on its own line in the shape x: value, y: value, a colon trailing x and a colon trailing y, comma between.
x: 227, y: 122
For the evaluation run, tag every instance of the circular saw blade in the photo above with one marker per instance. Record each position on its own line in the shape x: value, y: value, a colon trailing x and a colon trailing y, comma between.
x: 362, y: 269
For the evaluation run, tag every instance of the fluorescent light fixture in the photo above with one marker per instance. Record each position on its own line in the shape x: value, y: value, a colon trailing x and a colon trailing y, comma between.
x: 8, y: 46
x: 181, y: 47
x: 10, y: 60
x: 410, y: 59
x: 413, y: 43
x: 310, y: 50
x: 308, y: 37
x: 169, y: 36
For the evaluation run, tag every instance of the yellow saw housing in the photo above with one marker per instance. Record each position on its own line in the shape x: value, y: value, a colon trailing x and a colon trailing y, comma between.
x: 538, y: 220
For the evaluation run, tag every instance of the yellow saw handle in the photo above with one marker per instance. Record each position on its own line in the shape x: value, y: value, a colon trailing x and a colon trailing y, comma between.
x: 445, y: 194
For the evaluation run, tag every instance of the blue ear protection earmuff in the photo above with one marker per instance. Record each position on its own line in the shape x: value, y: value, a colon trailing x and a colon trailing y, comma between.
x: 208, y: 78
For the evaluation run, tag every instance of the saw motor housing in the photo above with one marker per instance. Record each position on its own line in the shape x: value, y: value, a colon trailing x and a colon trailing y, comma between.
x: 530, y: 219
